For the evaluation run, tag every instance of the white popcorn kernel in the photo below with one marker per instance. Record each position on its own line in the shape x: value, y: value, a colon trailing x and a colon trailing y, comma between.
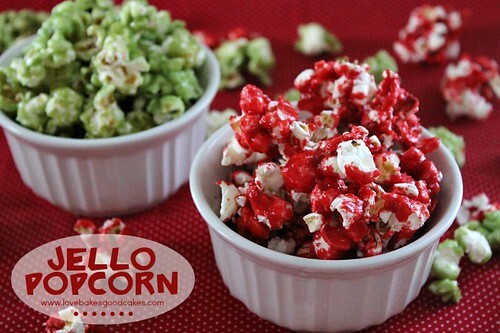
x: 461, y: 69
x: 387, y: 164
x: 364, y: 85
x: 235, y: 154
x: 228, y: 206
x: 314, y: 221
x: 240, y: 177
x: 436, y: 38
x: 344, y: 205
x: 355, y: 153
x: 281, y: 245
x: 241, y: 200
x: 303, y: 77
x: 263, y: 219
x: 268, y: 178
x: 408, y: 189
x: 300, y: 130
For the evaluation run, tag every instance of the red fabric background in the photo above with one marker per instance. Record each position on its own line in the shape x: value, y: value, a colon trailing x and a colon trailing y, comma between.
x: 27, y: 221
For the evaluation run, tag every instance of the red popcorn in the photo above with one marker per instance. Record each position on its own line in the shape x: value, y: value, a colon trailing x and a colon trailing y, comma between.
x: 84, y: 227
x: 114, y: 225
x: 350, y: 180
x: 470, y: 87
x: 430, y: 36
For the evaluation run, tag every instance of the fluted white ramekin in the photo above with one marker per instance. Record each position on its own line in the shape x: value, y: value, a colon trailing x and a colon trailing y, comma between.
x: 312, y: 294
x: 111, y: 176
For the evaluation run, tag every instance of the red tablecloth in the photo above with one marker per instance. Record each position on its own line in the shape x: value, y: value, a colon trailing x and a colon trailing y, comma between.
x: 27, y: 221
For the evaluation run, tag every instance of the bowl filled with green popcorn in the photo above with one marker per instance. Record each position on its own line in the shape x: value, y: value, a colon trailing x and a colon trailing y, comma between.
x: 104, y: 108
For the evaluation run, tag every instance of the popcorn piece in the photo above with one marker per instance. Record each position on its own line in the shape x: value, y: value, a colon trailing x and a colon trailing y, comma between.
x: 268, y: 178
x: 314, y: 221
x: 431, y: 35
x: 216, y: 119
x: 84, y: 227
x: 446, y: 260
x: 242, y: 53
x: 314, y: 40
x: 475, y: 209
x: 475, y: 244
x: 454, y: 143
x: 470, y: 86
x: 353, y: 158
x: 112, y: 226
x: 228, y: 206
x: 447, y: 289
x: 379, y: 62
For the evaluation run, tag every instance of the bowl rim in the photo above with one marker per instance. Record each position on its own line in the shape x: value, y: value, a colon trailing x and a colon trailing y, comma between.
x: 213, y: 73
x: 295, y: 263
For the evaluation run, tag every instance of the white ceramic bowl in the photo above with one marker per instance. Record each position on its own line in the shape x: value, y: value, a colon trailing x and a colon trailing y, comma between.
x: 312, y: 294
x: 111, y: 176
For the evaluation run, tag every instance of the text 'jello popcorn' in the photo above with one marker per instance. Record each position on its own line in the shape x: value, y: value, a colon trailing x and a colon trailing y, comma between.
x: 352, y: 179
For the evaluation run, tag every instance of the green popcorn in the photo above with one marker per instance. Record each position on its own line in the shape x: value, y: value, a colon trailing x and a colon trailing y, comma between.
x: 113, y: 65
x: 67, y: 19
x: 292, y: 94
x: 260, y: 59
x: 447, y: 289
x: 103, y: 117
x: 186, y: 85
x: 478, y: 226
x: 91, y: 44
x: 10, y: 92
x: 29, y: 74
x: 453, y: 142
x: 137, y: 121
x: 381, y: 61
x: 145, y: 20
x: 492, y: 220
x: 475, y: 244
x: 31, y: 112
x: 166, y: 108
x: 15, y: 25
x: 66, y: 76
x: 64, y: 107
x: 156, y: 85
x: 494, y: 239
x: 314, y: 40
x: 182, y: 44
x: 59, y: 51
x: 231, y: 57
x: 447, y: 257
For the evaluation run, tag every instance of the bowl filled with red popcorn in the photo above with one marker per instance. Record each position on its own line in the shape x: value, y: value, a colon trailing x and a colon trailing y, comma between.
x: 326, y: 219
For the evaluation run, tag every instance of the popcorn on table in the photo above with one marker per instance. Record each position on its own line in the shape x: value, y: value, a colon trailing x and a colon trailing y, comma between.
x: 431, y: 35
x: 314, y: 40
x: 470, y: 87
x: 350, y: 180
